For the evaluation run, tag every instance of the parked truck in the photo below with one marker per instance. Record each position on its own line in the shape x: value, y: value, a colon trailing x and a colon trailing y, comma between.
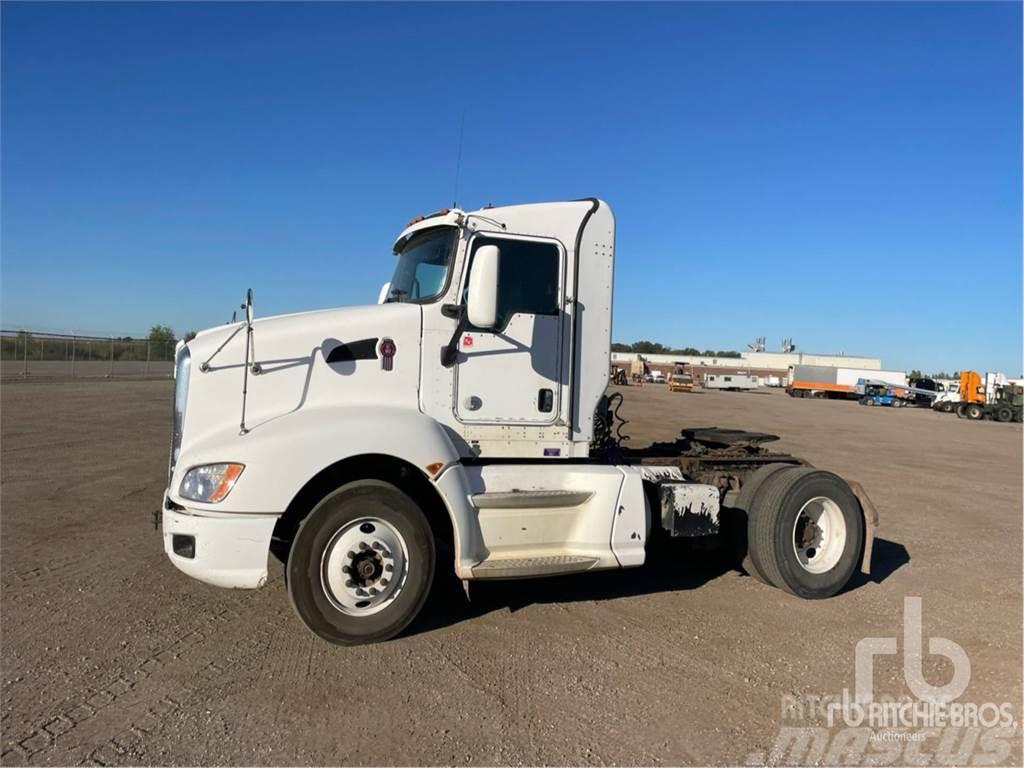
x: 991, y: 397
x: 832, y: 382
x: 463, y: 427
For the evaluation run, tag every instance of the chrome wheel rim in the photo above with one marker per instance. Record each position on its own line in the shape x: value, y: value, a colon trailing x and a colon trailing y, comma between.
x: 364, y: 566
x: 819, y: 535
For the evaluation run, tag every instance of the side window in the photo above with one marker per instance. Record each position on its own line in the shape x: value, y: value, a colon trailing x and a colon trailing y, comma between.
x: 527, y: 277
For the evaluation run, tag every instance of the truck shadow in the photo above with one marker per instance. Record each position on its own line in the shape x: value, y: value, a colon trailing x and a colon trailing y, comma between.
x: 671, y: 567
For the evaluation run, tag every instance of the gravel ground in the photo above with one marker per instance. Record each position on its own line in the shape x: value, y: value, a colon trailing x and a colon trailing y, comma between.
x: 111, y: 656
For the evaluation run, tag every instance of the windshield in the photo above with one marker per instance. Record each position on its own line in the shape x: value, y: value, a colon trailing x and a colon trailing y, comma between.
x: 423, y: 262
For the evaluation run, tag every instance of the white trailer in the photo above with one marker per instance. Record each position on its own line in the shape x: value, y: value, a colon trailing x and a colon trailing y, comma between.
x: 462, y: 426
x: 835, y: 382
x: 733, y: 382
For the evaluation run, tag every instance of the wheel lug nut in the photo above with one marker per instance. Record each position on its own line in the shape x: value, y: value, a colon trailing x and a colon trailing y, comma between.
x: 350, y: 583
x: 373, y: 590
x: 384, y: 582
x: 362, y: 545
x: 377, y: 545
x: 350, y: 555
x: 344, y: 569
x: 389, y: 567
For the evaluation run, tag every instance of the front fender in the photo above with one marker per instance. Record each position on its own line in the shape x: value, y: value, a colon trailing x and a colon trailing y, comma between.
x: 282, y: 454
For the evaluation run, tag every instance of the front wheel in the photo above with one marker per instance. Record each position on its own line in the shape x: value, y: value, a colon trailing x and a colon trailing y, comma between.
x: 362, y: 563
x: 974, y: 412
x: 809, y: 532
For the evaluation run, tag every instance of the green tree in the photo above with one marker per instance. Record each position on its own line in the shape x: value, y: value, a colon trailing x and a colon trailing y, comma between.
x: 162, y: 340
x: 162, y: 333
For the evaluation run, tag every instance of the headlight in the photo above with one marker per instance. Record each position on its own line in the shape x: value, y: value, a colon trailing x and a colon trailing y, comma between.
x: 210, y: 483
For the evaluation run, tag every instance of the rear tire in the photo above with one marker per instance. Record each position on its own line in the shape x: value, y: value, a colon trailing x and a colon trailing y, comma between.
x: 809, y: 532
x: 747, y: 506
x: 1004, y: 413
x: 361, y: 565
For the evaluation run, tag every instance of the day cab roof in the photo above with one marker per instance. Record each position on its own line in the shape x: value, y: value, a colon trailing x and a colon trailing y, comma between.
x: 560, y: 219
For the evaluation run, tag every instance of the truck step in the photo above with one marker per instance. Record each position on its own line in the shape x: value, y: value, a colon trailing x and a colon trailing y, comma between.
x: 524, y: 567
x: 530, y: 499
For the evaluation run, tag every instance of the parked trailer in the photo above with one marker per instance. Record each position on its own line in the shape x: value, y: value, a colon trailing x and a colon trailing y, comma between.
x: 463, y: 429
x: 830, y: 381
x: 732, y: 382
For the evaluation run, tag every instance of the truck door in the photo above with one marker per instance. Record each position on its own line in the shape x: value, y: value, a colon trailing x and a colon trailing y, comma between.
x: 512, y: 372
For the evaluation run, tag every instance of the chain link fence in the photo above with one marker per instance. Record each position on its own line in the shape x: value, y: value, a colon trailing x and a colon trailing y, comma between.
x: 36, y: 354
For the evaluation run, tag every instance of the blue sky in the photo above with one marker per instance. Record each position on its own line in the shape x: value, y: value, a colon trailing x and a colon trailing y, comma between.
x: 845, y: 174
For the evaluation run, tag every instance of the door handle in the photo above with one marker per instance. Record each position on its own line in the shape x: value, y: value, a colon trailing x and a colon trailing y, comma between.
x: 545, y: 400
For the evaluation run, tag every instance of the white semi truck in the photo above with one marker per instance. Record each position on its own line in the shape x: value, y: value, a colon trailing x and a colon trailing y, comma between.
x: 462, y: 424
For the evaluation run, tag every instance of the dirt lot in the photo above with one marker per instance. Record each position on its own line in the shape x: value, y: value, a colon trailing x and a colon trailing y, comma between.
x: 112, y: 656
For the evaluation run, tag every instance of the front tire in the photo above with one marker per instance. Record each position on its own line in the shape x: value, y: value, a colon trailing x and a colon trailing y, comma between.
x: 974, y: 412
x: 809, y: 533
x: 362, y: 563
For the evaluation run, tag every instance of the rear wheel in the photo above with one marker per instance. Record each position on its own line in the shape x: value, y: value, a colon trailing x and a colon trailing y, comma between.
x: 361, y: 564
x: 808, y: 533
x: 1004, y: 413
x: 746, y: 504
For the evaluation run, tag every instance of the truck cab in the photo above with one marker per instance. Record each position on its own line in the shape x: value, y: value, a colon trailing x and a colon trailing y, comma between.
x: 462, y: 424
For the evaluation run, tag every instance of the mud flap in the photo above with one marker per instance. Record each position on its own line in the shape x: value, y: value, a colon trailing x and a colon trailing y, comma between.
x: 870, y: 513
x: 688, y: 509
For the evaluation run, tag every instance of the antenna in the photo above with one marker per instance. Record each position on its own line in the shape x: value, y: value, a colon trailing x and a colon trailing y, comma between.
x: 458, y: 160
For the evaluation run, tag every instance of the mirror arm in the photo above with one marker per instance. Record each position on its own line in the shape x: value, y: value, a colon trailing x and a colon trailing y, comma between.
x: 450, y: 352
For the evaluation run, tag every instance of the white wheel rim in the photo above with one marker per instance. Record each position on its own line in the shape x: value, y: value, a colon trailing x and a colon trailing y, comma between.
x: 364, y: 566
x: 819, y: 535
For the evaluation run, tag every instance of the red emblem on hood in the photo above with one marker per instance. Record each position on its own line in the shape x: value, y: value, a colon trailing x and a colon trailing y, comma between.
x: 387, y: 351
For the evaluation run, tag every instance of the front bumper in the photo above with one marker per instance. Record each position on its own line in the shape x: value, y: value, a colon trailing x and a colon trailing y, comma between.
x: 230, y: 550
